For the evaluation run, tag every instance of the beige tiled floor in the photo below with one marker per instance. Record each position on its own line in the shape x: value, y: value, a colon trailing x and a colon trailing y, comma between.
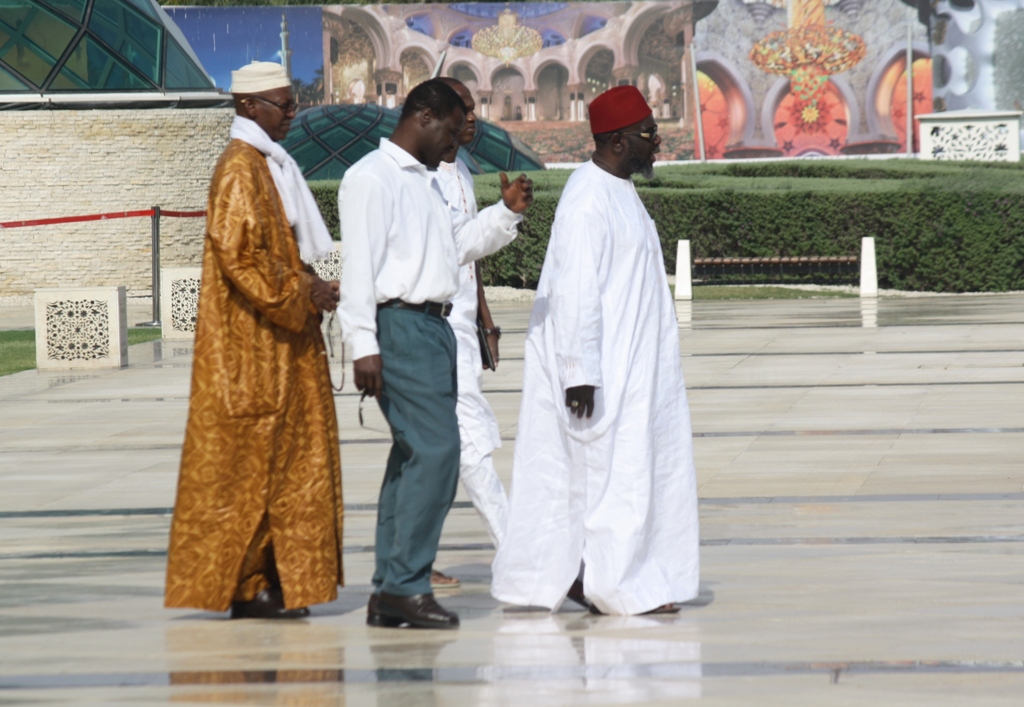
x: 862, y: 524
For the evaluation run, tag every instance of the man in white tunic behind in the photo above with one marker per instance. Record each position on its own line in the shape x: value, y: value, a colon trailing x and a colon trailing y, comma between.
x: 478, y: 427
x: 603, y: 482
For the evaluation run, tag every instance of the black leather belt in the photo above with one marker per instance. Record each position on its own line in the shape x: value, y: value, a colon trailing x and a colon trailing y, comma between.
x: 438, y: 309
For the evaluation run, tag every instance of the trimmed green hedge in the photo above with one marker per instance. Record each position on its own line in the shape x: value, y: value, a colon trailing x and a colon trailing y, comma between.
x: 326, y: 195
x: 944, y: 227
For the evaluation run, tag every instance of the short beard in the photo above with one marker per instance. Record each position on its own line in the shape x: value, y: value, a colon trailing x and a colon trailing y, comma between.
x: 638, y: 165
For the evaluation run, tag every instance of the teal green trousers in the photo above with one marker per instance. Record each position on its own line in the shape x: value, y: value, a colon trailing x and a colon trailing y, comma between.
x: 420, y: 390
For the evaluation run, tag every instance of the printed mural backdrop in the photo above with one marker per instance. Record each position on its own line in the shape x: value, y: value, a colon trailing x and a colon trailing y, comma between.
x: 774, y: 77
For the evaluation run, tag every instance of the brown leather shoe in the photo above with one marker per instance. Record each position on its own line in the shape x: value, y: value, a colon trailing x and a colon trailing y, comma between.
x: 268, y: 604
x: 419, y: 610
x: 375, y: 618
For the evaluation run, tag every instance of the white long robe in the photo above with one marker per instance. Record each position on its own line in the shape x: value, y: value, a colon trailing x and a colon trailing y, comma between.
x: 477, y: 423
x: 478, y: 427
x: 618, y: 490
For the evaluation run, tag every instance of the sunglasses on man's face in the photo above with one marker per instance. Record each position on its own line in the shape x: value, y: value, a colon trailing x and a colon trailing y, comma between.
x: 648, y: 135
x: 289, y: 107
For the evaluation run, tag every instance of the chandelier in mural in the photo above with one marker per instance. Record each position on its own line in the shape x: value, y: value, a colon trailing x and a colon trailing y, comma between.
x: 808, y: 53
x: 508, y: 39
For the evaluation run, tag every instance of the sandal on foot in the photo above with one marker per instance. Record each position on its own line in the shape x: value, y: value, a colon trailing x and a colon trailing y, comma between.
x: 439, y: 580
x: 669, y: 608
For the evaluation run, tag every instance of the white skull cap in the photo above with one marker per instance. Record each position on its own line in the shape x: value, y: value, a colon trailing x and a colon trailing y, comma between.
x: 259, y: 76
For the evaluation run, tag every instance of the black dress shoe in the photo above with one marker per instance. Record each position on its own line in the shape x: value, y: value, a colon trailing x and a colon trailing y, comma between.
x: 419, y: 610
x: 375, y: 618
x: 576, y: 594
x: 268, y: 604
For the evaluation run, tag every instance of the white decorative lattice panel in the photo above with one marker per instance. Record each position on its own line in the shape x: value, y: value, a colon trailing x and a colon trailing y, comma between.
x: 971, y: 135
x: 329, y: 268
x: 179, y: 301
x: 82, y: 327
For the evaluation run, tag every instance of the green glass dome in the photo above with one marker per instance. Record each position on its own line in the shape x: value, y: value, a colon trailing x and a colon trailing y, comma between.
x: 51, y: 46
x: 327, y: 140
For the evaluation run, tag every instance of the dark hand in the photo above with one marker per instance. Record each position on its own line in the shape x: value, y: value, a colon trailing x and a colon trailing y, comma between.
x: 369, y: 379
x: 325, y: 295
x: 580, y: 400
x: 517, y: 195
x: 492, y: 344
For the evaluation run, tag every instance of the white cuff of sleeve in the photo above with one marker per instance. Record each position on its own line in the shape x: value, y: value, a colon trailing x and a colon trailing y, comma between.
x: 507, y: 218
x: 364, y: 344
x: 573, y: 374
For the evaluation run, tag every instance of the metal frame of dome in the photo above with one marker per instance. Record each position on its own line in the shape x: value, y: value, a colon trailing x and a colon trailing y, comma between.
x: 327, y: 140
x: 96, y: 51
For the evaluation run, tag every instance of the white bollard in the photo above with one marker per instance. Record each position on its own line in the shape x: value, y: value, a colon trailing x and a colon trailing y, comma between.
x: 684, y: 282
x: 81, y: 327
x: 868, y: 269
x: 179, y: 302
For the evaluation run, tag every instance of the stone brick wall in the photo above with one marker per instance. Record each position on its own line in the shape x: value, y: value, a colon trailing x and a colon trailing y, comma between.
x: 77, y: 162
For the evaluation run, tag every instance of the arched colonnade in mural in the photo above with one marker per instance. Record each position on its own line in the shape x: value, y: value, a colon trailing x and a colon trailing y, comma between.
x: 378, y: 55
x: 556, y: 83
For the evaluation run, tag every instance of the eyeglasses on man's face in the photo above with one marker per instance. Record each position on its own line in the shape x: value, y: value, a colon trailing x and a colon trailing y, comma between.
x: 648, y: 135
x: 289, y: 107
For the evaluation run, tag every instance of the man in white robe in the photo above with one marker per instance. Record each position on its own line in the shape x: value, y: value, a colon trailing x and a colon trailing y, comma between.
x: 603, y: 482
x: 478, y: 427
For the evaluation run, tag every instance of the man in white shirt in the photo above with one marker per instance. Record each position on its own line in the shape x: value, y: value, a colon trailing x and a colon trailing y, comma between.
x: 401, y: 251
x: 603, y: 470
x: 478, y: 427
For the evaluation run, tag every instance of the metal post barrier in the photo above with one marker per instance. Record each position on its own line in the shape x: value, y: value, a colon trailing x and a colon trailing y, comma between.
x: 155, y: 259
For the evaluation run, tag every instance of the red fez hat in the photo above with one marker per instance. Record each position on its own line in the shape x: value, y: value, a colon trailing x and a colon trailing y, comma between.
x: 617, y: 108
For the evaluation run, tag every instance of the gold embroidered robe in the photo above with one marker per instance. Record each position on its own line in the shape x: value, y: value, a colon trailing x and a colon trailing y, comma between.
x: 260, y: 465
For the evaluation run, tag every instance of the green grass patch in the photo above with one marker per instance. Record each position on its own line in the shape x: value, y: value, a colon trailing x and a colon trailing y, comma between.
x: 18, y: 348
x: 709, y: 292
x: 17, y: 351
x: 140, y: 335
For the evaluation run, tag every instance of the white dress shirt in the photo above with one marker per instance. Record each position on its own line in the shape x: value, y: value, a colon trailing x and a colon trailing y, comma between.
x: 401, y: 240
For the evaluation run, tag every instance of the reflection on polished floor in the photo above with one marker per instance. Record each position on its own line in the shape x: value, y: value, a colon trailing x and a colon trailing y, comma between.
x: 861, y: 471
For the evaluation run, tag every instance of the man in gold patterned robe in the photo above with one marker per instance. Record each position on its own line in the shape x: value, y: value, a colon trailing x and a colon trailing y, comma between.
x: 258, y: 518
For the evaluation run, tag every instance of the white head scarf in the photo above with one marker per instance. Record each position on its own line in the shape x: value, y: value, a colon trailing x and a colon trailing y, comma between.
x: 315, y: 242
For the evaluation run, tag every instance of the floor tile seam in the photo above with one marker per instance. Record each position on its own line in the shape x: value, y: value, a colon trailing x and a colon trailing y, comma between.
x: 488, y: 547
x: 519, y: 391
x: 855, y: 322
x: 878, y: 468
x: 800, y: 386
x: 865, y: 498
x: 75, y: 376
x: 881, y: 432
x: 772, y: 354
x: 467, y: 505
x: 485, y: 674
x: 797, y: 386
x: 822, y: 354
